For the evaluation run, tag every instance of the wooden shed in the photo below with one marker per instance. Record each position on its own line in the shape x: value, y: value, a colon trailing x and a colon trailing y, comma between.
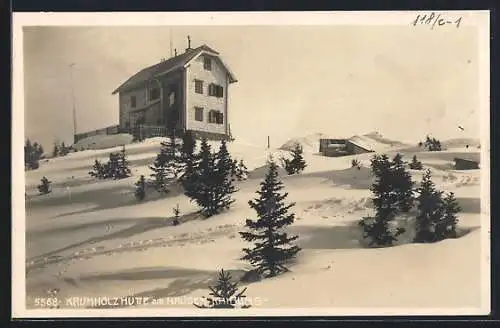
x: 341, y: 147
x: 466, y: 163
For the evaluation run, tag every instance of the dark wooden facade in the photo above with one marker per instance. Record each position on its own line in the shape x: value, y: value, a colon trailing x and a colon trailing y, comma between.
x: 340, y: 147
x: 465, y: 164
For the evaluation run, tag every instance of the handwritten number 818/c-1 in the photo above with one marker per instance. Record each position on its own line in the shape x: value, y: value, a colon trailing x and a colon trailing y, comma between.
x: 432, y: 19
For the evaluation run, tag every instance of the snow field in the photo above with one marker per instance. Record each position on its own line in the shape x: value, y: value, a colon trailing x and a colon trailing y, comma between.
x: 92, y: 238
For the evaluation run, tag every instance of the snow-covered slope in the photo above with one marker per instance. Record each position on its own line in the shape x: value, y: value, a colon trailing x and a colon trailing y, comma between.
x: 92, y: 238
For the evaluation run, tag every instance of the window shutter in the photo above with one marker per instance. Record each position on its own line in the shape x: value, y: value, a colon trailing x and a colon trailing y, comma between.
x: 221, y: 92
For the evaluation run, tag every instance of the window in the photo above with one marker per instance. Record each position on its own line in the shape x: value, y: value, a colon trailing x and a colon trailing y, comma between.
x: 219, y: 119
x: 198, y: 86
x: 215, y: 116
x: 154, y: 94
x: 133, y: 101
x: 171, y: 99
x: 207, y: 63
x: 198, y: 114
x: 211, y: 116
x: 215, y: 90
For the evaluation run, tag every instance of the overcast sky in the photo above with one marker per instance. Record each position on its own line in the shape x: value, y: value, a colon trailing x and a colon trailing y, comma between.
x: 292, y: 81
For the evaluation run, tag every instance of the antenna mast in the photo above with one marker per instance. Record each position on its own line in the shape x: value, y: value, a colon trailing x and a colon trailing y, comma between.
x: 73, y: 100
x: 171, y: 47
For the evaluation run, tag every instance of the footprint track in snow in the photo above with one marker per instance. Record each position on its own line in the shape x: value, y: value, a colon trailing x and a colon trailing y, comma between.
x: 181, y: 240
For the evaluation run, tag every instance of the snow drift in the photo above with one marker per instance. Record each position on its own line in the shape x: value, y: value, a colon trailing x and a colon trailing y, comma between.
x: 309, y: 143
x: 103, y: 141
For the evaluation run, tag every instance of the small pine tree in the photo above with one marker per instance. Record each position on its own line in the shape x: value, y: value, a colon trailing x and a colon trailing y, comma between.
x: 177, y: 212
x: 415, y: 163
x: 44, y: 187
x: 98, y: 170
x: 123, y: 170
x: 38, y: 149
x: 28, y: 153
x: 166, y: 166
x: 446, y: 227
x: 63, y: 150
x: 189, y: 178
x: 140, y: 188
x: 32, y: 154
x: 225, y: 294
x: 224, y: 160
x: 210, y: 184
x: 195, y: 186
x: 241, y: 171
x: 234, y: 169
x: 430, y: 207
x: 55, y: 150
x: 174, y: 160
x: 224, y: 181
x: 202, y: 183
x: 272, y: 246
x: 379, y: 229
x: 437, y: 145
x: 402, y: 184
x: 432, y: 144
x: 187, y: 157
x: 297, y: 163
x: 112, y: 167
x: 187, y: 148
x: 230, y: 134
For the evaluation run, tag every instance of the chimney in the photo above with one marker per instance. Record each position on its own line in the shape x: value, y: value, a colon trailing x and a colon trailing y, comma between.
x: 189, y: 43
x: 175, y: 52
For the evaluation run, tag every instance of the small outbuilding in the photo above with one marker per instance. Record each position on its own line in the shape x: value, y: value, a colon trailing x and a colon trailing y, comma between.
x: 466, y: 163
